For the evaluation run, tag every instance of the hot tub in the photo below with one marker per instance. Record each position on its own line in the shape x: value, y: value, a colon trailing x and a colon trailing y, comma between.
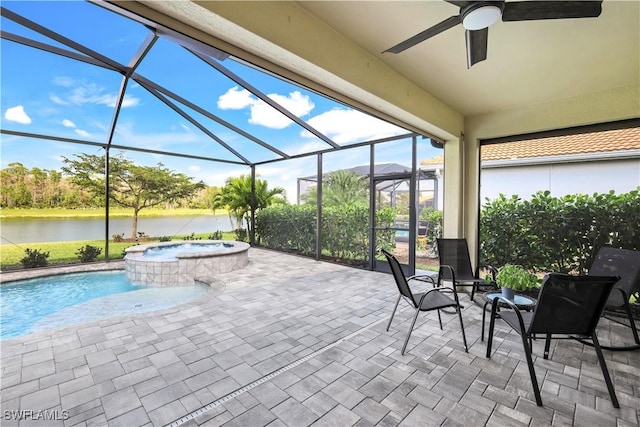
x: 183, y: 263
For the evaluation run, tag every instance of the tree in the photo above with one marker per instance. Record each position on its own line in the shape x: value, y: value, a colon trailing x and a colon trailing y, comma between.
x: 341, y: 188
x: 131, y: 186
x: 15, y: 190
x: 236, y: 196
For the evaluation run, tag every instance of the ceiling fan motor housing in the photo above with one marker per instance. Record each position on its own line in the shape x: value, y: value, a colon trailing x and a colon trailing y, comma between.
x: 482, y: 14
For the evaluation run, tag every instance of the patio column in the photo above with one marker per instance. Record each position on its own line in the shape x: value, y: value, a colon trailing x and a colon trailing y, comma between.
x: 454, y: 188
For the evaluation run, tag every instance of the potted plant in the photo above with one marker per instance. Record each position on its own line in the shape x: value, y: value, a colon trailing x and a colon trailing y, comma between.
x: 513, y: 278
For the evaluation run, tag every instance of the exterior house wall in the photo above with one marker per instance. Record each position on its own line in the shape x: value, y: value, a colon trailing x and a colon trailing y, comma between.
x: 560, y: 179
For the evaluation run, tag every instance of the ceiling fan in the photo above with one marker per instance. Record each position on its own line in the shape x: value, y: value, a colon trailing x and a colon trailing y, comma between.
x: 477, y: 16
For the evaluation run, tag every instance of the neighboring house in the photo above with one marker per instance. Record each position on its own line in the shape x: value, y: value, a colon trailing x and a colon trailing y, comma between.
x: 572, y: 164
x: 386, y: 182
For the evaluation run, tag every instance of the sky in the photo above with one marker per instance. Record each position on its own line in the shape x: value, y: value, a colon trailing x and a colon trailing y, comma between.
x: 49, y: 94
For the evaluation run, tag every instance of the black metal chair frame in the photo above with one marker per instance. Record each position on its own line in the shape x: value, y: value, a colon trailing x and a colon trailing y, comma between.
x: 432, y: 299
x: 530, y: 324
x: 464, y: 276
x: 626, y: 264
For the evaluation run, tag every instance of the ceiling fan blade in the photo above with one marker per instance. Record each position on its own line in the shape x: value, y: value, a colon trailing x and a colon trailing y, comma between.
x: 428, y: 33
x: 534, y: 10
x: 476, y: 46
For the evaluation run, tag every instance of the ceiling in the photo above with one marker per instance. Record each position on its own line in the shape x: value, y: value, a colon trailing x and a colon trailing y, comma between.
x: 528, y: 62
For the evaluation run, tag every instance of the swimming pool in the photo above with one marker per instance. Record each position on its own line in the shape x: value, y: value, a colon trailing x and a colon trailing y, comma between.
x: 33, y: 305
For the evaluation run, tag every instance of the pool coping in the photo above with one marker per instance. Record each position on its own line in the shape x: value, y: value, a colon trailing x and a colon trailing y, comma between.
x: 217, y: 285
x: 31, y: 273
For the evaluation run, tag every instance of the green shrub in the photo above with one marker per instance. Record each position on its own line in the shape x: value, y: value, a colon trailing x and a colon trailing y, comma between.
x: 164, y: 238
x: 242, y: 235
x: 88, y: 253
x: 34, y: 258
x: 560, y: 234
x: 287, y: 228
x: 217, y: 235
x: 433, y: 219
x: 345, y: 230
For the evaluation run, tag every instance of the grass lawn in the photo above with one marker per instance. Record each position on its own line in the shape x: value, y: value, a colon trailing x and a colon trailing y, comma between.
x: 61, y: 253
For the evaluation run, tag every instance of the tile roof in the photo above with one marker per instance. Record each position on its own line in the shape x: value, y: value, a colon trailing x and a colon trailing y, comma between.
x: 595, y: 142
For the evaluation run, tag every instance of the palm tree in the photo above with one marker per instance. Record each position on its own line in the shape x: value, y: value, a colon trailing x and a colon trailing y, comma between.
x: 236, y: 196
x: 341, y: 188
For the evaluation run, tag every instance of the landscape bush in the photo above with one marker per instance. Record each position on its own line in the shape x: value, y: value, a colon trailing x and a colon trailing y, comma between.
x: 562, y: 234
x: 88, y: 253
x: 345, y: 230
x: 34, y: 258
x: 433, y: 221
x: 192, y: 236
x: 242, y: 235
x: 216, y: 235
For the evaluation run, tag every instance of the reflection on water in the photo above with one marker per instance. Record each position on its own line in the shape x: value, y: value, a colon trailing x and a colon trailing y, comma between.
x: 62, y: 229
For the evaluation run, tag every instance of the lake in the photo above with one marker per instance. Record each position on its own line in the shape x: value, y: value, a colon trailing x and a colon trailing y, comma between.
x: 62, y: 229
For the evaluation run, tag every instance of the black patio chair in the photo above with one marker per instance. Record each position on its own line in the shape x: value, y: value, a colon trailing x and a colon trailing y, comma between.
x: 432, y: 299
x: 626, y: 264
x: 568, y: 307
x: 455, y: 266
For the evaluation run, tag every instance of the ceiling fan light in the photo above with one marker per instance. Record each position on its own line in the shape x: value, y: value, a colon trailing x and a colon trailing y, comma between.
x: 482, y: 17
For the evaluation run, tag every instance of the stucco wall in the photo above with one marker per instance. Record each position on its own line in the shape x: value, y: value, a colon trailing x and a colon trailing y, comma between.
x: 561, y: 179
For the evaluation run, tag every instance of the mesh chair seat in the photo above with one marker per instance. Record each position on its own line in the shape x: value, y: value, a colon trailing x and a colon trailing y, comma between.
x: 626, y: 264
x: 455, y: 265
x: 567, y: 305
x: 433, y: 299
x: 511, y: 318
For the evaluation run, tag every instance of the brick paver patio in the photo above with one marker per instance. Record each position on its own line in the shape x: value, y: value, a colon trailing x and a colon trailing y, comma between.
x: 289, y: 341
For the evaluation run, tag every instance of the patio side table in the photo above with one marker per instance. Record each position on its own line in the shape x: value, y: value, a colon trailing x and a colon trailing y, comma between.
x: 523, y: 302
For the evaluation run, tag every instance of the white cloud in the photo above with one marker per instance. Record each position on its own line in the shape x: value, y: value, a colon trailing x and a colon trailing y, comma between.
x: 82, y: 133
x: 308, y: 147
x: 17, y: 114
x: 81, y: 93
x: 282, y: 173
x: 265, y: 115
x: 297, y: 103
x: 218, y: 176
x: 194, y: 168
x: 235, y: 99
x: 262, y: 113
x: 128, y: 101
x: 348, y: 126
x: 57, y: 100
x: 68, y: 123
x: 155, y: 141
x: 63, y: 81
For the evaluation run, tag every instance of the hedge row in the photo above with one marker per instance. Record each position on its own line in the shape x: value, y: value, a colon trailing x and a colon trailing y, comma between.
x: 345, y: 230
x: 543, y: 233
x: 561, y: 234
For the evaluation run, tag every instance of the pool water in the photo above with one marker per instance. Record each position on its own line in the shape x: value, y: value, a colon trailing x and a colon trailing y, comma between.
x: 171, y: 251
x: 33, y: 305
